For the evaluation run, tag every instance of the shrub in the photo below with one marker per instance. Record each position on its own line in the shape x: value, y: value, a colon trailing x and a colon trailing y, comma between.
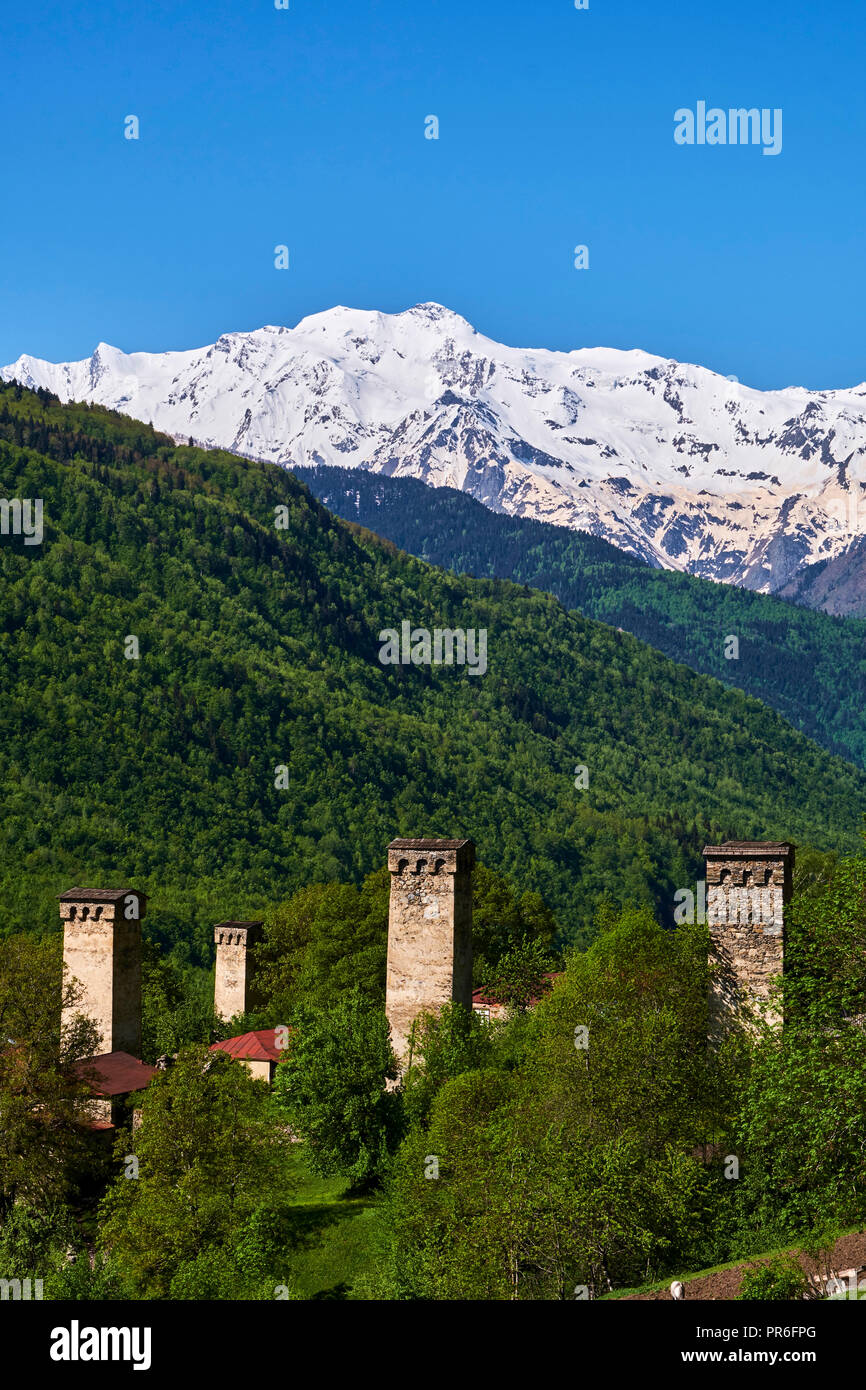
x: 779, y: 1280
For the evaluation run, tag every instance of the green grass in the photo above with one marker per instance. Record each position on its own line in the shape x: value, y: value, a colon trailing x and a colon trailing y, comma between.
x: 336, y: 1236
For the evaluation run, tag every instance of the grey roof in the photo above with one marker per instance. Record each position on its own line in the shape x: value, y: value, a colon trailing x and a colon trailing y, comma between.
x: 98, y: 895
x: 777, y: 848
x: 430, y: 844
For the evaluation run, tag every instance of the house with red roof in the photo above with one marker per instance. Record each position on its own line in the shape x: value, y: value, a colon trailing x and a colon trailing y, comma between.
x: 259, y: 1051
x: 113, y: 1077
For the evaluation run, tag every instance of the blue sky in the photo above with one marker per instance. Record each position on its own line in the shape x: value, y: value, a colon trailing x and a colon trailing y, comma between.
x: 305, y: 127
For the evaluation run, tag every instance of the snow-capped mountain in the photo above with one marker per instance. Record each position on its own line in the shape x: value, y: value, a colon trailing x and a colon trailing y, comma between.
x: 688, y: 469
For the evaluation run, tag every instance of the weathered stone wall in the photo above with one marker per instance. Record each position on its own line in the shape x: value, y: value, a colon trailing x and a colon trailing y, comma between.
x: 102, y: 950
x: 748, y: 885
x: 429, y: 930
x: 234, y: 984
x: 126, y: 1013
x: 99, y: 1109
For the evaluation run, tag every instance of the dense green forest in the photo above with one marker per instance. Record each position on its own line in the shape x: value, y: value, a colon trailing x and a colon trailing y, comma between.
x: 258, y: 651
x: 809, y: 666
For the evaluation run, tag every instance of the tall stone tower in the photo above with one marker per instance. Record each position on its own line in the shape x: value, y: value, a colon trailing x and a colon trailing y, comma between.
x: 429, y: 930
x: 234, y: 986
x: 748, y: 885
x: 102, y: 950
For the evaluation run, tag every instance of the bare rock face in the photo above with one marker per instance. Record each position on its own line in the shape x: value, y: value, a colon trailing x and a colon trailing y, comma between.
x: 429, y: 931
x: 836, y: 586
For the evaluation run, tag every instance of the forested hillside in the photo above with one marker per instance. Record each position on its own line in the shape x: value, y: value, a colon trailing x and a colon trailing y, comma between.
x: 808, y: 665
x: 258, y: 650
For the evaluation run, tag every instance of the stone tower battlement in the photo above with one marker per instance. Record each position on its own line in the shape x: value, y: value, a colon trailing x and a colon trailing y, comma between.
x: 235, y: 933
x: 749, y: 883
x: 102, y: 950
x: 234, y: 984
x: 429, y: 930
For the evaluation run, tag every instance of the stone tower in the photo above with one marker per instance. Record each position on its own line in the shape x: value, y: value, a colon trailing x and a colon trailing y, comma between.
x: 102, y: 950
x: 748, y: 886
x: 429, y: 930
x: 234, y: 986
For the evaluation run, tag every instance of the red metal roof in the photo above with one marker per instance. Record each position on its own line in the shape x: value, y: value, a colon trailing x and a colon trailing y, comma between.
x: 118, y: 1073
x: 258, y: 1047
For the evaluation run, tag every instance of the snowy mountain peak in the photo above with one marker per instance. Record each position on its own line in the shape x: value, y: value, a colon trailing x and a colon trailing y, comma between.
x: 439, y: 314
x: 671, y: 461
